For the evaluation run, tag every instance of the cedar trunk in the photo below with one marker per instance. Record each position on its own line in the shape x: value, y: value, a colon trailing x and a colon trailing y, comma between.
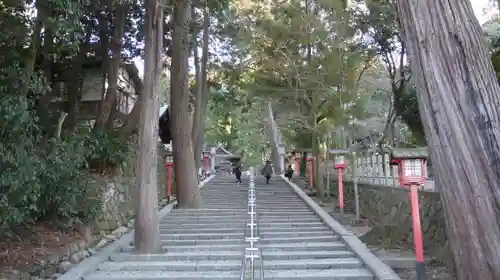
x: 108, y: 105
x: 202, y: 93
x: 147, y: 233
x: 459, y: 100
x: 182, y: 145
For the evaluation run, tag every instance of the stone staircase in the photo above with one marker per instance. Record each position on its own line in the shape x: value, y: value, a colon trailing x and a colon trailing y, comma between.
x: 296, y: 243
x: 209, y: 243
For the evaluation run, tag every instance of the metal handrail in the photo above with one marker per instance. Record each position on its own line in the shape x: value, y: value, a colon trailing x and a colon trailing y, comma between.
x: 250, y: 253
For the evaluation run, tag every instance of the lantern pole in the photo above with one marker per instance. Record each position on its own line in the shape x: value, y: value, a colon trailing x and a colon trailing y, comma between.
x: 205, y: 164
x: 417, y: 233
x: 341, y: 192
x: 168, y: 190
x: 310, y: 169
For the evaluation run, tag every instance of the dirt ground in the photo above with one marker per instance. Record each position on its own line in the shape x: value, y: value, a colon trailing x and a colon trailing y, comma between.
x: 30, y: 245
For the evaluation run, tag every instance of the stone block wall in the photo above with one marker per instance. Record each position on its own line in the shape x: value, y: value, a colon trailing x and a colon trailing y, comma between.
x: 388, y: 211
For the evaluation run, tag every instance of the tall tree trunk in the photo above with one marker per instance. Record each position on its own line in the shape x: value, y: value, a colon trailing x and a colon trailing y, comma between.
x: 47, y: 49
x: 130, y: 124
x: 36, y: 38
x: 316, y: 153
x: 274, y: 134
x: 182, y: 144
x: 113, y: 68
x: 74, y: 89
x: 459, y: 100
x: 202, y: 93
x: 198, y: 93
x: 104, y: 42
x: 147, y: 233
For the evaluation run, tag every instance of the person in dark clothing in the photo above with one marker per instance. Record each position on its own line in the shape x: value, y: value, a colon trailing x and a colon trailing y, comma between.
x: 237, y: 172
x: 289, y: 172
x: 267, y: 171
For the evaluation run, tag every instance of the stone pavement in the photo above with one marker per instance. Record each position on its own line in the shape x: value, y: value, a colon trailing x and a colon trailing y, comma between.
x: 299, y: 240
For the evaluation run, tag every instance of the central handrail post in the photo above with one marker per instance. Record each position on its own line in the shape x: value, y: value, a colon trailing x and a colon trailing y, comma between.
x: 252, y: 253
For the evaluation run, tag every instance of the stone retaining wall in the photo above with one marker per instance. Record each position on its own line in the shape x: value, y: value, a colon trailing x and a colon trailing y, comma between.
x: 388, y: 211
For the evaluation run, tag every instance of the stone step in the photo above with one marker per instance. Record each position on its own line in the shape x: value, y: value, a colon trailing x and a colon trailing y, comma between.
x: 202, y: 236
x: 238, y: 229
x: 312, y: 218
x: 176, y: 217
x: 128, y: 255
x: 243, y: 217
x: 180, y: 242
x: 229, y: 265
x: 224, y: 198
x: 298, y: 233
x: 261, y: 209
x: 198, y: 248
x: 304, y: 246
x: 239, y: 234
x: 260, y: 213
x: 295, y: 274
x: 218, y: 205
x: 224, y: 224
x: 242, y: 220
x: 290, y: 239
x: 207, y: 210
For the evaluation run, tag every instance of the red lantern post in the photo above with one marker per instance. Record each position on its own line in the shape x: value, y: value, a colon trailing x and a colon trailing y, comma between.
x: 169, y: 163
x: 310, y: 164
x: 411, y: 169
x: 340, y: 163
x: 206, y: 162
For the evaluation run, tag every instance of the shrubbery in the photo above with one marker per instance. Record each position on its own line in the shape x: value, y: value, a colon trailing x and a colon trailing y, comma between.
x: 42, y: 176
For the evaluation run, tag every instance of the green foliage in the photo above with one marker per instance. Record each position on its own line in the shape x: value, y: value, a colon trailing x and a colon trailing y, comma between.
x: 406, y: 105
x: 42, y: 176
x: 106, y: 150
x: 66, y: 192
x: 53, y: 181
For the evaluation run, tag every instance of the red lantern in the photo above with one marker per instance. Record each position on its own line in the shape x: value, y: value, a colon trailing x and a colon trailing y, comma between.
x: 340, y: 162
x: 206, y: 162
x: 411, y: 171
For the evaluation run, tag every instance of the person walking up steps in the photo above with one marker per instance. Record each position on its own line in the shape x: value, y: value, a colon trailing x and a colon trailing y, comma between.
x: 289, y: 172
x: 267, y: 171
x: 237, y: 172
